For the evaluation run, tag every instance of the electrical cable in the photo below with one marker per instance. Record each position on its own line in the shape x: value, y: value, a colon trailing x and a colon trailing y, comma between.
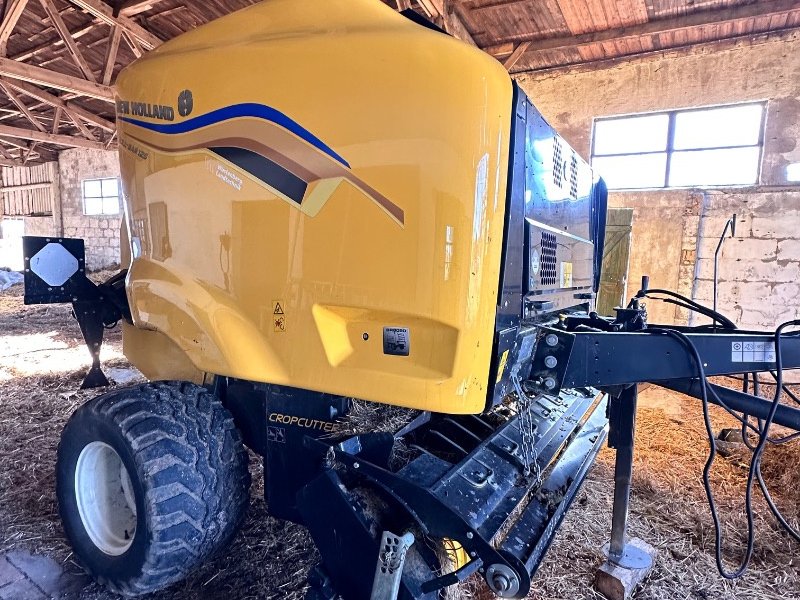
x: 762, y: 431
x: 712, y: 454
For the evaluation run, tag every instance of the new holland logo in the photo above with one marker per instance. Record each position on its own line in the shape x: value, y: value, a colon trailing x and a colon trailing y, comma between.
x: 185, y: 103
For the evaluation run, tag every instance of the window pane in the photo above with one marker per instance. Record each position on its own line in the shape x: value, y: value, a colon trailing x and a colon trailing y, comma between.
x: 642, y: 171
x: 93, y: 206
x: 793, y: 172
x: 737, y: 166
x: 718, y: 127
x: 647, y: 133
x: 110, y: 206
x: 110, y: 187
x: 92, y: 188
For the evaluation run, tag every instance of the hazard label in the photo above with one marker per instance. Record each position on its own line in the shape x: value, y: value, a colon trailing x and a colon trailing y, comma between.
x: 280, y: 323
x: 277, y: 307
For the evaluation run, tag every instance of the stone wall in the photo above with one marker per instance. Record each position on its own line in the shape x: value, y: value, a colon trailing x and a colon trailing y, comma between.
x: 100, y: 233
x: 676, y: 231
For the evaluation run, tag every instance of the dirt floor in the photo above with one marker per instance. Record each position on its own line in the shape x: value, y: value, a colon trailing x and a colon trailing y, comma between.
x: 42, y: 361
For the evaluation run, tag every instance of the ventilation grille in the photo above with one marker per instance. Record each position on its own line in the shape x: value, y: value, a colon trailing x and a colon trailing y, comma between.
x: 548, y: 274
x: 573, y: 178
x: 558, y: 162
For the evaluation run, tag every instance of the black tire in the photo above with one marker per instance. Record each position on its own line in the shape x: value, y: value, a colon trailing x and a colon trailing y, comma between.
x: 188, y: 479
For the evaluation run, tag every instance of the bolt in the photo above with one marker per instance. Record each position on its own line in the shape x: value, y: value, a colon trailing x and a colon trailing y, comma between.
x: 551, y: 339
x: 550, y: 362
x: 470, y: 535
x: 500, y: 583
x: 356, y: 465
x: 549, y: 383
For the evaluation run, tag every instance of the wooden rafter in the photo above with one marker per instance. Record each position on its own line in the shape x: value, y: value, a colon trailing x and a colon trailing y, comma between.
x: 13, y: 13
x: 71, y: 108
x: 134, y: 7
x: 81, y: 127
x: 520, y: 49
x: 449, y: 20
x: 104, y: 12
x: 21, y: 106
x: 719, y: 18
x: 59, y: 81
x: 111, y: 54
x: 49, y: 138
x: 57, y: 119
x: 72, y: 47
x: 133, y: 44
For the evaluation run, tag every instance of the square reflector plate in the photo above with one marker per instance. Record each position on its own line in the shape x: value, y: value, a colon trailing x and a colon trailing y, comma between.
x: 54, y: 268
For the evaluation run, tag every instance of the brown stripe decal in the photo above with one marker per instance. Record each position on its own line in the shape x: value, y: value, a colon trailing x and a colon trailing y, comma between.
x: 275, y: 144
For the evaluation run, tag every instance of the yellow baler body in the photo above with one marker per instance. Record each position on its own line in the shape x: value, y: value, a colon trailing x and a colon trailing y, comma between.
x: 400, y: 135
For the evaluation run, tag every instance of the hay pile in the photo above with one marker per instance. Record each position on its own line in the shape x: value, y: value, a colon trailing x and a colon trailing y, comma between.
x: 270, y: 558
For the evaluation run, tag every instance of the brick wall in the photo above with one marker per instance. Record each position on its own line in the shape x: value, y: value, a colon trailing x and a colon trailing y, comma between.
x: 100, y: 233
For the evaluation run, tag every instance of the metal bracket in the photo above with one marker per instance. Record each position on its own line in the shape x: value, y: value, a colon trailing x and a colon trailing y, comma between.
x: 389, y: 570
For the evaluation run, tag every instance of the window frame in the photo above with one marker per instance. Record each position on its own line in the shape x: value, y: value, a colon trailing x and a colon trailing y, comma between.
x: 102, y: 198
x: 670, y: 146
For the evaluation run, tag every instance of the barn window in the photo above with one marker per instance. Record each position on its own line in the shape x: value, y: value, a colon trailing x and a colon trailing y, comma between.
x: 699, y: 147
x: 101, y: 196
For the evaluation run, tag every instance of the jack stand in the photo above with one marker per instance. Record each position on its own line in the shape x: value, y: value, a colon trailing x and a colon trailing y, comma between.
x: 628, y: 561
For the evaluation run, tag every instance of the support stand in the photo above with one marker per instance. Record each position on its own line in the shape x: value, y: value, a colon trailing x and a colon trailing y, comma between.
x: 628, y: 561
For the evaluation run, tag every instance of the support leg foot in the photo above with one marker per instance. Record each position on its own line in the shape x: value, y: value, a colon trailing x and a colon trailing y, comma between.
x: 616, y: 582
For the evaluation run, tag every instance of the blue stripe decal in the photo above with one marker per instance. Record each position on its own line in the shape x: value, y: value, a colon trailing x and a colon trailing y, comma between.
x: 249, y: 109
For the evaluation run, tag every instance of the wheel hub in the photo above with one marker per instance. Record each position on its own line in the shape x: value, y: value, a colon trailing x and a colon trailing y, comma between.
x: 105, y: 498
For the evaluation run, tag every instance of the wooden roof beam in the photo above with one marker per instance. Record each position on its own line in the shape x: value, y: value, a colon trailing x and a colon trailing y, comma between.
x: 49, y: 138
x: 703, y: 18
x: 450, y: 21
x: 55, y: 18
x: 104, y: 12
x: 54, y: 79
x: 70, y: 108
x: 134, y: 7
x: 111, y: 53
x: 13, y: 13
x: 21, y: 106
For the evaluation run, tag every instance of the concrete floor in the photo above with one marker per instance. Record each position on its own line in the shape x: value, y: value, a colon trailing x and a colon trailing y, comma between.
x: 24, y: 576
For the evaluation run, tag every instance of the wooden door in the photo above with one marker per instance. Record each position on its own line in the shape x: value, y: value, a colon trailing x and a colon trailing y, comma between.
x: 616, y: 258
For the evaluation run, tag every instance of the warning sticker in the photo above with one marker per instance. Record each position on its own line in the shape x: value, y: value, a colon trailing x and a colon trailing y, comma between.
x: 502, y: 366
x: 396, y: 341
x: 277, y: 307
x: 280, y: 323
x: 748, y: 352
x: 566, y: 274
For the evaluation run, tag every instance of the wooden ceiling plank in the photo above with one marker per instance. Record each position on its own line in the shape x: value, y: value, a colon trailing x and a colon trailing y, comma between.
x: 13, y: 13
x: 663, y: 26
x: 21, y: 106
x: 54, y: 79
x: 111, y: 54
x: 49, y: 138
x: 75, y: 52
x: 104, y: 12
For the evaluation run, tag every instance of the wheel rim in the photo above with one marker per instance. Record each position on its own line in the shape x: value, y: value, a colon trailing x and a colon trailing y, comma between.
x: 105, y: 498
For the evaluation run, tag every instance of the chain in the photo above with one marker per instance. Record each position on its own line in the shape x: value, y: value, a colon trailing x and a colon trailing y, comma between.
x: 530, y: 457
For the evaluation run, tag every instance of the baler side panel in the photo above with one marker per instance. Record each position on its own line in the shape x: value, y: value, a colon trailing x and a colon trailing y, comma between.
x: 349, y: 211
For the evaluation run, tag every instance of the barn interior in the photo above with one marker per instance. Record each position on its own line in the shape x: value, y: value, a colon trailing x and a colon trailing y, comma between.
x: 689, y: 110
